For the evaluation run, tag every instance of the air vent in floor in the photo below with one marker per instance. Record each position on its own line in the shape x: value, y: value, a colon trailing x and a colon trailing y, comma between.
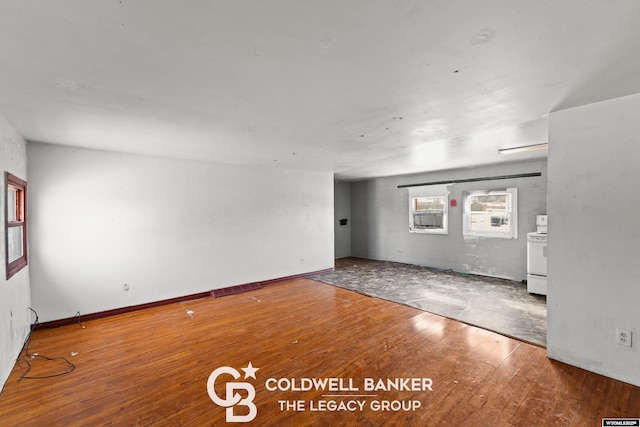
x: 232, y: 290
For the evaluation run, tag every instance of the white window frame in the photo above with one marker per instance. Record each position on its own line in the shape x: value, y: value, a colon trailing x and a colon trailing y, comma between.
x: 511, y: 233
x: 429, y: 191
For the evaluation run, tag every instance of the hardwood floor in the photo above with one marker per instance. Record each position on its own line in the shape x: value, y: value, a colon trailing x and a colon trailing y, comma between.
x: 151, y: 367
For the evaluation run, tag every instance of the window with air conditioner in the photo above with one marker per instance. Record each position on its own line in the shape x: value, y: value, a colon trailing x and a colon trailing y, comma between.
x: 428, y: 210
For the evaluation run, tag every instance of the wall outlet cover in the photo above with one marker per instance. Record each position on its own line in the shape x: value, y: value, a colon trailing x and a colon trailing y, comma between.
x: 624, y: 337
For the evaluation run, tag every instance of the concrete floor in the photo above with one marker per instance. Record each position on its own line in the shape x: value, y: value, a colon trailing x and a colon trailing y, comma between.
x: 499, y: 305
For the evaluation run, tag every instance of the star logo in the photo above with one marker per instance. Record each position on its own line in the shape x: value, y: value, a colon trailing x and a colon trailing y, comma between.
x: 250, y: 371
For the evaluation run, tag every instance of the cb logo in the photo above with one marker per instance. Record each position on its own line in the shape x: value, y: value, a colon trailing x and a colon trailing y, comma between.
x: 232, y: 397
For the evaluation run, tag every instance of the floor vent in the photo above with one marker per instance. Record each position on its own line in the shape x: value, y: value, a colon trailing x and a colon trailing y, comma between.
x: 217, y: 293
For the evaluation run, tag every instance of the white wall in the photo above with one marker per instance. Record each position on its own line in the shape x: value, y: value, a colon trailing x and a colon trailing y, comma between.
x: 15, y: 316
x: 594, y: 236
x: 380, y: 230
x: 342, y: 210
x: 166, y: 228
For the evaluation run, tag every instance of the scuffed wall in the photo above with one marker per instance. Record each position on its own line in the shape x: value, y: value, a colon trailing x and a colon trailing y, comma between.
x: 380, y: 228
x: 15, y: 296
x: 594, y: 236
x: 166, y: 228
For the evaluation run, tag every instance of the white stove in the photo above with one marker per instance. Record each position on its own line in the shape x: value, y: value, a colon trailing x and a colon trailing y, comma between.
x: 537, y: 258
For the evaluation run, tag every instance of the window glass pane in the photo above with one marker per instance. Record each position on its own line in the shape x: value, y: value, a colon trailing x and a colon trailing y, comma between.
x: 429, y: 214
x: 491, y: 223
x: 12, y: 197
x: 428, y: 220
x: 489, y: 203
x: 15, y: 243
x: 432, y: 204
x: 479, y: 222
x: 491, y: 214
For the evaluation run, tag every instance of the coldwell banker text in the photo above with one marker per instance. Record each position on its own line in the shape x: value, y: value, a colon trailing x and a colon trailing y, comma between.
x: 348, y: 400
x: 348, y: 384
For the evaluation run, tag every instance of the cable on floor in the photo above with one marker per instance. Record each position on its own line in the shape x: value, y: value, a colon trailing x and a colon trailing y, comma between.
x: 77, y: 317
x: 25, y: 348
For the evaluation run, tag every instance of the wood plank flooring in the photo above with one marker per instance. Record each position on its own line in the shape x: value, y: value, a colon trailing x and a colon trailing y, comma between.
x: 151, y: 367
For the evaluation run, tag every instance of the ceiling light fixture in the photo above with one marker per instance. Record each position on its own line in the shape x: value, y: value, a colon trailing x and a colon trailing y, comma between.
x: 523, y: 149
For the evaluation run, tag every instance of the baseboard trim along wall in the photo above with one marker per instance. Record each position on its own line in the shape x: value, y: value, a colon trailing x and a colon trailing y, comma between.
x: 122, y: 310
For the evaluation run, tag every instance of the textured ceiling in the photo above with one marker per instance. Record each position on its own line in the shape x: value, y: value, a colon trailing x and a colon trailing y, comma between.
x: 359, y: 88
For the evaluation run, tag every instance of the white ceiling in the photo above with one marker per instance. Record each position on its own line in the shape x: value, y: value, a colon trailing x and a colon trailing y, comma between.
x: 361, y: 88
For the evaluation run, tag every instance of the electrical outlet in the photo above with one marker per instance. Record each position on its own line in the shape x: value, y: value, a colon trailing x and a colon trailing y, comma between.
x: 624, y: 337
x: 301, y: 260
x: 125, y: 287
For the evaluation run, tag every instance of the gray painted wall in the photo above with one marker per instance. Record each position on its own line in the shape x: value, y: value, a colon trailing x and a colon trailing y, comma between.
x: 380, y: 227
x: 342, y: 210
x: 166, y: 228
x: 594, y: 236
x: 15, y: 295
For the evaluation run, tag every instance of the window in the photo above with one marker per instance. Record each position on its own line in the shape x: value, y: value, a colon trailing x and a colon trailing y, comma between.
x: 491, y: 213
x: 15, y: 224
x: 428, y: 210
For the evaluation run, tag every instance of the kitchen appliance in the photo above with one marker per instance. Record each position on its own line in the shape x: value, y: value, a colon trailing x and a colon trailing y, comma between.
x: 537, y: 257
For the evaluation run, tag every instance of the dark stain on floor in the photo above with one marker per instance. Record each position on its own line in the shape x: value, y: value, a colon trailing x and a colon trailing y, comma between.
x: 499, y: 305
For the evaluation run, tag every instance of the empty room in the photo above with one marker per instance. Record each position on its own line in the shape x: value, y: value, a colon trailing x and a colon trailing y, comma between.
x: 319, y: 213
